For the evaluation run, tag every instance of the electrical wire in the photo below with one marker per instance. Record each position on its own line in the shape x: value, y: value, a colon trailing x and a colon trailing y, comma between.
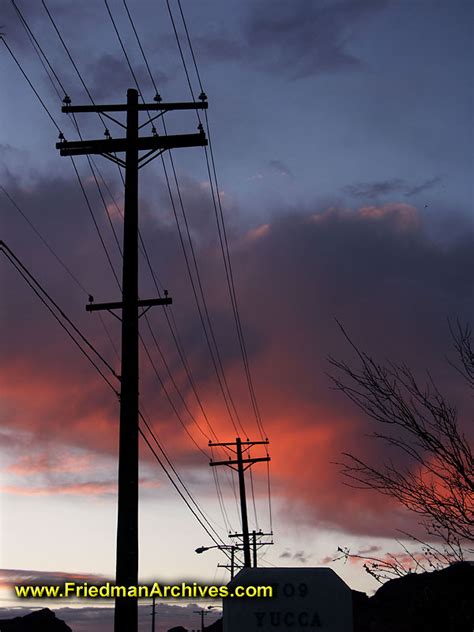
x: 141, y: 47
x: 89, y: 206
x: 224, y: 381
x: 218, y: 489
x: 178, y: 346
x: 32, y: 87
x: 225, y: 252
x: 72, y: 61
x: 49, y: 303
x: 46, y: 64
x: 226, y: 261
x: 46, y: 243
x: 175, y: 472
x: 49, y: 70
x: 68, y: 53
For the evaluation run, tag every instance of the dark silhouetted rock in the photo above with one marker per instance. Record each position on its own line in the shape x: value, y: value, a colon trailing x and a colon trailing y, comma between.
x: 40, y: 621
x: 179, y: 628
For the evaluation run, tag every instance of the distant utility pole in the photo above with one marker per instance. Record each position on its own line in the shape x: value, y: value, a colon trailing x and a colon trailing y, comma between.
x: 132, y: 145
x: 240, y: 465
x: 203, y: 614
x: 224, y: 547
x: 232, y: 566
x: 256, y: 542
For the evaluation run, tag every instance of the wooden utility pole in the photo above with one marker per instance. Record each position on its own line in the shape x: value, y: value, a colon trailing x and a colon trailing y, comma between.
x: 203, y: 614
x: 256, y: 543
x: 240, y: 465
x: 132, y: 144
x: 232, y: 566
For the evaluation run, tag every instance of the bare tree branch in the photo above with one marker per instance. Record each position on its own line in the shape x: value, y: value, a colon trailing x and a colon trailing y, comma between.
x: 438, y: 481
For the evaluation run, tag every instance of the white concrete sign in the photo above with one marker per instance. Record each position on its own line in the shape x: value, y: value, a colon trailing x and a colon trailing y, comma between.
x: 303, y: 599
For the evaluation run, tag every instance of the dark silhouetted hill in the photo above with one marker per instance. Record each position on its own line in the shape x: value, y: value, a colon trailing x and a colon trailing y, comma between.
x: 39, y: 621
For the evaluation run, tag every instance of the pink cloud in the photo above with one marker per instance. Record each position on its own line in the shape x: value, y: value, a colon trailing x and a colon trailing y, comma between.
x: 45, y: 462
x: 373, y: 267
x: 88, y: 488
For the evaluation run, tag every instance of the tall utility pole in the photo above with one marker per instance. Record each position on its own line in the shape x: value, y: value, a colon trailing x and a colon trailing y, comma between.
x: 132, y: 144
x: 240, y: 465
x: 153, y: 614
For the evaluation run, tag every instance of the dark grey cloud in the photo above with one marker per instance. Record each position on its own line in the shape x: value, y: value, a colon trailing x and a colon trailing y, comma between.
x: 294, y: 39
x: 394, y: 186
x: 280, y: 168
x: 298, y: 556
x: 424, y: 186
x: 109, y: 76
x: 219, y: 46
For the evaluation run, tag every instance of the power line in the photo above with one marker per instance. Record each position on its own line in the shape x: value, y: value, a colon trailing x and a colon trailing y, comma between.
x: 190, y: 45
x: 81, y: 79
x: 143, y: 244
x: 61, y: 136
x: 224, y: 381
x: 89, y: 160
x: 124, y: 50
x: 231, y: 287
x: 184, y: 362
x: 59, y: 260
x: 48, y: 246
x: 201, y: 522
x: 88, y: 204
x: 180, y: 51
x: 29, y: 283
x: 141, y: 48
x: 179, y: 348
x: 193, y: 500
x: 172, y: 404
x: 173, y: 381
x: 218, y: 207
x: 47, y: 64
x: 225, y: 251
x: 48, y: 301
x: 39, y: 52
x: 32, y: 87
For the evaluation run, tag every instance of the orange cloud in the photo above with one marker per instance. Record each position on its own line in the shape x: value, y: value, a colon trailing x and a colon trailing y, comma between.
x: 375, y: 268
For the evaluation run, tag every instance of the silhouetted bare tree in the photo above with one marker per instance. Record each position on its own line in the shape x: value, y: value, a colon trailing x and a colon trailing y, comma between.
x: 437, y: 480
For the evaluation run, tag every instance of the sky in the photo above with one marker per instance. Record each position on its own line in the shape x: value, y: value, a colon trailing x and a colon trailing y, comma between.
x: 342, y: 138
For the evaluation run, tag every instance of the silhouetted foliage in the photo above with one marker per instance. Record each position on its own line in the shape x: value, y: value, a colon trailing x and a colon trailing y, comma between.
x: 437, y: 480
